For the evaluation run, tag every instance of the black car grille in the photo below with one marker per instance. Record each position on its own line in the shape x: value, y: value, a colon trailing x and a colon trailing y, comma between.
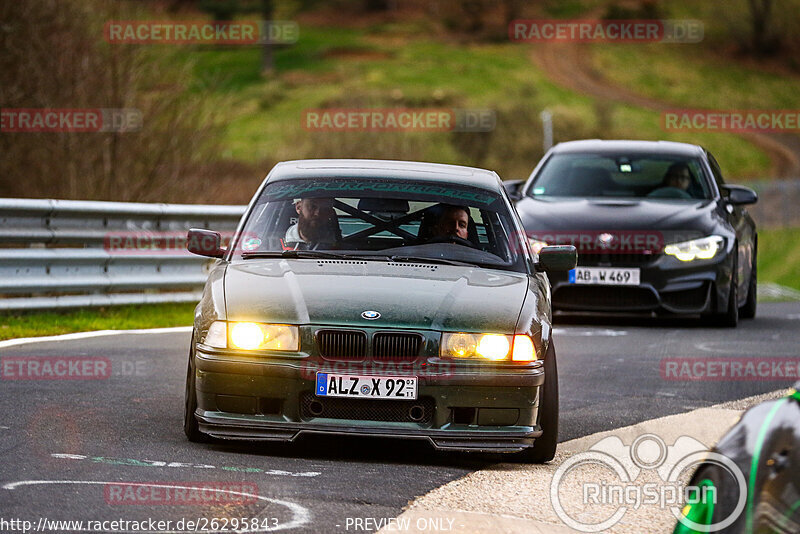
x: 395, y: 411
x: 396, y: 346
x: 352, y: 345
x: 590, y: 259
x: 342, y: 344
x: 604, y: 298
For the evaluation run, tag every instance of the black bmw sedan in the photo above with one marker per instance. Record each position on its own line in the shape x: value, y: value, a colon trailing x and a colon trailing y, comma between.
x: 656, y: 227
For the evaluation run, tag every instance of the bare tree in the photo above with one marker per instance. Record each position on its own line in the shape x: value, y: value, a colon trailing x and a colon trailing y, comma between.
x: 55, y: 57
x: 762, y: 37
x: 267, y: 13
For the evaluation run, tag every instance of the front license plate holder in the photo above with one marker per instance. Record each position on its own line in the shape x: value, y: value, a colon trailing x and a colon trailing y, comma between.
x: 605, y: 276
x: 366, y: 387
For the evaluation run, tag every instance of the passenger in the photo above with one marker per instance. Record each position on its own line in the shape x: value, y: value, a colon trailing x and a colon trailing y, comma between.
x: 316, y: 223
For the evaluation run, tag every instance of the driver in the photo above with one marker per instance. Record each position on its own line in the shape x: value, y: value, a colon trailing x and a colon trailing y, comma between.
x: 453, y: 222
x: 676, y: 182
x: 316, y: 222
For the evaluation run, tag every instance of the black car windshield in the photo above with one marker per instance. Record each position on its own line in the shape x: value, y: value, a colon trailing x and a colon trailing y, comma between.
x: 382, y: 219
x: 621, y: 175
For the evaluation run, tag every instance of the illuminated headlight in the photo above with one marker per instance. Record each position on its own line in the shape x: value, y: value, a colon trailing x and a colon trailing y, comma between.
x: 696, y: 249
x: 494, y: 347
x: 536, y: 245
x: 253, y: 336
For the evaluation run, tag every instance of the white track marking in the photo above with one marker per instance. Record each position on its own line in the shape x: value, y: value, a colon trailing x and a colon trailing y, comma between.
x: 95, y: 333
x: 589, y: 332
x: 183, y: 465
x: 300, y: 514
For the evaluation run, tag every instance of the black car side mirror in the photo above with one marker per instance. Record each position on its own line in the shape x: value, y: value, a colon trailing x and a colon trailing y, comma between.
x: 557, y: 258
x: 204, y: 243
x: 739, y: 195
x: 514, y: 188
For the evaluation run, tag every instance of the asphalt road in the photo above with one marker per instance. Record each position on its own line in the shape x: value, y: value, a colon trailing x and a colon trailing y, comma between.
x: 63, y: 441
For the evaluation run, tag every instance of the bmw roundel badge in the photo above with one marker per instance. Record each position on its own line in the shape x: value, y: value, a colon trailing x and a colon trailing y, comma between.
x: 370, y: 315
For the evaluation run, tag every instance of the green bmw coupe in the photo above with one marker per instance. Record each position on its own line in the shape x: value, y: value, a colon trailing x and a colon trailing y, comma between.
x: 382, y: 298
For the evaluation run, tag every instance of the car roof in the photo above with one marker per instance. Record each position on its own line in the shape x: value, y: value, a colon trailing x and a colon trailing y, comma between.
x: 385, y: 169
x: 599, y: 146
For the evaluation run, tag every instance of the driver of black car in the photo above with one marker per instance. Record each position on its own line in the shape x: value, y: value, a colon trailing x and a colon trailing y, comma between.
x: 676, y: 182
x: 316, y: 223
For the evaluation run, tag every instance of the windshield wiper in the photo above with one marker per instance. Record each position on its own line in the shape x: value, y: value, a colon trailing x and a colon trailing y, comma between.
x: 425, y: 259
x: 302, y: 254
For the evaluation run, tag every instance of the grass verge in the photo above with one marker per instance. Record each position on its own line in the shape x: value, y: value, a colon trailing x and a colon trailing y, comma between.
x: 50, y: 323
x: 779, y: 256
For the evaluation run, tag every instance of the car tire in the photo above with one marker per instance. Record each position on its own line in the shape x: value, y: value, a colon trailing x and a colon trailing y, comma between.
x: 730, y: 317
x: 190, y: 426
x: 748, y: 311
x: 544, y: 447
x: 726, y: 498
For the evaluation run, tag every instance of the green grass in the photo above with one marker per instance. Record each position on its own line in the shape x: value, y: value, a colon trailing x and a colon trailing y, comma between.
x: 404, y: 67
x: 690, y: 76
x: 49, y: 323
x: 696, y: 78
x: 779, y: 256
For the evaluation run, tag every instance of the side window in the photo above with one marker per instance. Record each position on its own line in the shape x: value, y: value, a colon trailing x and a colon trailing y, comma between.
x: 716, y: 170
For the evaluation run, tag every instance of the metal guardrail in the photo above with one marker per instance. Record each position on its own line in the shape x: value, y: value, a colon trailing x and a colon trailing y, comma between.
x: 778, y: 203
x: 63, y: 253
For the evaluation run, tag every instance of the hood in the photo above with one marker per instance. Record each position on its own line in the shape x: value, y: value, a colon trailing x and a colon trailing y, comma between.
x: 336, y: 292
x: 617, y: 214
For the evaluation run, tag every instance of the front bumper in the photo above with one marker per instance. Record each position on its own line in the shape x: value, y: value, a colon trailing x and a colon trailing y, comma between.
x: 494, y: 409
x: 666, y: 284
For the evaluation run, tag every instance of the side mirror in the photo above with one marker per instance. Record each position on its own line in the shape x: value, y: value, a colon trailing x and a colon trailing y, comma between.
x: 204, y: 243
x: 557, y: 258
x: 514, y: 188
x: 739, y: 195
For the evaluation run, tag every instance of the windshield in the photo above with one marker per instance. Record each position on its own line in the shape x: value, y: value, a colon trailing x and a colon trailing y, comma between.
x: 383, y: 220
x: 621, y: 175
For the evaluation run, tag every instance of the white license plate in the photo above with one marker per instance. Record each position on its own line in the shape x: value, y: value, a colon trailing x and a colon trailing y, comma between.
x: 606, y: 276
x: 366, y: 387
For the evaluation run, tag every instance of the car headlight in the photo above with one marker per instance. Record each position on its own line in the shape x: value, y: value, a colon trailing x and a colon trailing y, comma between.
x: 536, y: 245
x: 696, y: 249
x: 253, y: 336
x: 494, y: 347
